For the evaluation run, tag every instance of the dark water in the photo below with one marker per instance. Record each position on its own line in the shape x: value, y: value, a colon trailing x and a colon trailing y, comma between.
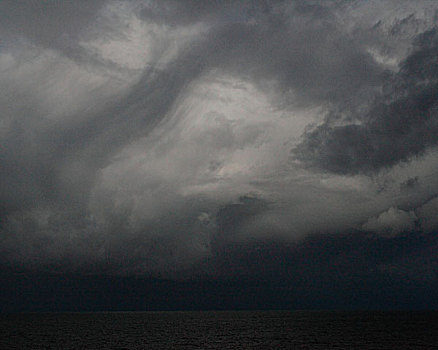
x: 221, y: 330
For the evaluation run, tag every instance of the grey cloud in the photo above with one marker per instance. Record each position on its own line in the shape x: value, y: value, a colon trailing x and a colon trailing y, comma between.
x: 427, y: 214
x: 400, y: 124
x: 213, y: 12
x: 125, y: 179
x: 52, y: 24
x: 303, y: 50
x: 231, y: 219
x: 392, y: 222
x: 296, y: 48
x: 410, y: 184
x: 52, y: 168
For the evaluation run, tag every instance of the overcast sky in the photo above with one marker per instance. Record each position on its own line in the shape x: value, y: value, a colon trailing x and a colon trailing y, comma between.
x: 214, y: 139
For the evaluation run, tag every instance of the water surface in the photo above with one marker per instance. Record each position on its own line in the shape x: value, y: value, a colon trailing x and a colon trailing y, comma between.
x: 221, y: 330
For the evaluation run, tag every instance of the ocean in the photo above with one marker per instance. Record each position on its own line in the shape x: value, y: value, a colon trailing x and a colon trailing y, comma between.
x: 220, y: 330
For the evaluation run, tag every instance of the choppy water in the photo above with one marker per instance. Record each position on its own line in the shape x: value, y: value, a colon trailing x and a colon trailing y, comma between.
x: 221, y: 330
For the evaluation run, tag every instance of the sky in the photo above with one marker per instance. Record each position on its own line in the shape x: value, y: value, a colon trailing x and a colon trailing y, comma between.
x: 218, y: 154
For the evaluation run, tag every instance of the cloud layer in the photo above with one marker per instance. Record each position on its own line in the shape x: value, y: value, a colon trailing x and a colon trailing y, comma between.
x: 155, y: 137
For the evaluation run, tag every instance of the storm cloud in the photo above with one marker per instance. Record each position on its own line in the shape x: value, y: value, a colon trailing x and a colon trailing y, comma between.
x: 400, y: 124
x: 186, y: 138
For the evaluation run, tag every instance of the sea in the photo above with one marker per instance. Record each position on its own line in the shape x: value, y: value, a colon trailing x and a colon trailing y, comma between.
x: 221, y: 330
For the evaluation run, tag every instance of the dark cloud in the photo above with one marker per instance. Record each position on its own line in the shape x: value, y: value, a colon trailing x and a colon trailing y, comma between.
x: 153, y: 139
x: 400, y: 124
x: 348, y: 271
x: 232, y: 219
x: 189, y: 11
x: 48, y: 23
x: 303, y: 50
x: 410, y: 184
